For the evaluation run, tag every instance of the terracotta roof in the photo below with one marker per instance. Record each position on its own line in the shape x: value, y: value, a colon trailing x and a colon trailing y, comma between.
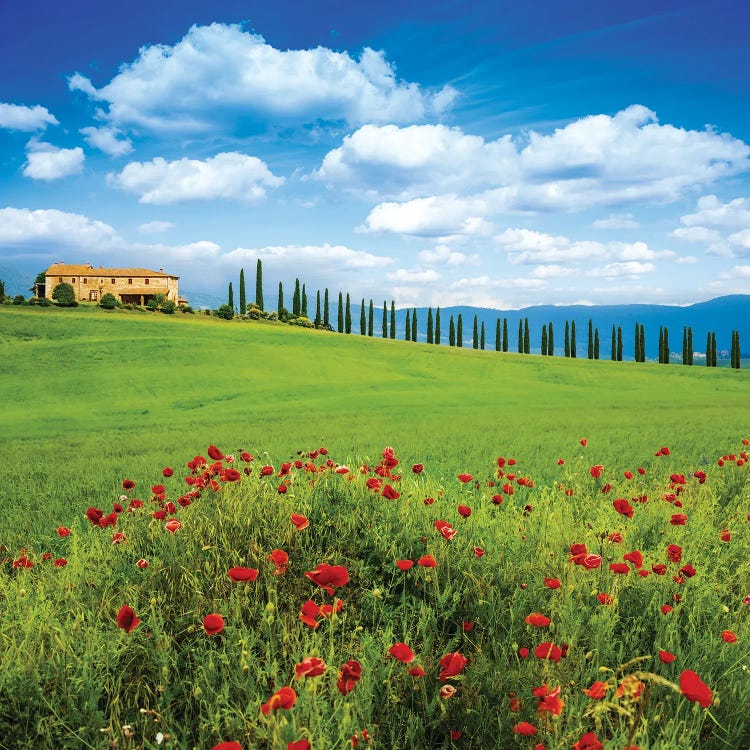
x: 74, y: 269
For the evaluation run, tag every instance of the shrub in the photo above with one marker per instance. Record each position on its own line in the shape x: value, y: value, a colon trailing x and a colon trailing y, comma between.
x: 43, y: 302
x: 168, y: 307
x: 152, y: 304
x: 253, y: 311
x: 19, y: 299
x: 225, y: 312
x: 186, y: 309
x: 109, y: 301
x: 303, y: 322
x: 64, y: 295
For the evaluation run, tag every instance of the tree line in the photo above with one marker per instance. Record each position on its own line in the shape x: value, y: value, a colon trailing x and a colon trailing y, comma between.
x: 299, y: 315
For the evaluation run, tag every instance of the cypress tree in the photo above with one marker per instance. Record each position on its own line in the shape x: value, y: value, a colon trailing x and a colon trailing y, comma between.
x: 340, y: 321
x: 637, y: 353
x: 573, y: 346
x: 296, y: 299
x: 407, y: 335
x: 362, y: 319
x: 393, y: 320
x: 731, y: 353
x: 661, y: 345
x: 460, y: 332
x: 280, y: 304
x: 544, y: 340
x: 385, y: 320
x: 326, y: 312
x: 550, y: 341
x: 613, y: 351
x: 643, y: 344
x: 520, y: 336
x: 475, y: 335
x: 231, y: 297
x: 738, y: 351
x: 348, y: 318
x: 452, y: 333
x: 708, y: 349
x: 591, y: 340
x: 481, y: 337
x: 619, y: 343
x: 370, y: 319
x: 567, y: 339
x: 526, y: 339
x: 243, y: 300
x: 303, y: 309
x: 498, y: 337
x: 713, y: 348
x: 430, y: 334
x: 414, y: 325
x: 259, y: 285
x: 666, y: 346
x: 684, y: 345
x: 505, y: 334
x: 596, y: 343
x: 690, y: 345
x: 437, y: 326
x: 317, y: 320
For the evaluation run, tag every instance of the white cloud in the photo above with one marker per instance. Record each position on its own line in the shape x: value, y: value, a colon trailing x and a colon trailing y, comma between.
x: 227, y: 175
x: 617, y: 221
x: 711, y: 223
x: 27, y: 119
x: 53, y: 228
x: 105, y: 139
x: 153, y: 227
x: 686, y: 260
x: 220, y: 74
x: 424, y: 276
x: 442, y: 254
x: 292, y: 256
x: 552, y: 271
x: 696, y: 234
x: 47, y: 162
x: 631, y: 269
x: 741, y: 239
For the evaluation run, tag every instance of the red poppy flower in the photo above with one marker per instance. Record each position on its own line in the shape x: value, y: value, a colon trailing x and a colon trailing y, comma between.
x: 621, y: 568
x: 213, y: 624
x: 524, y: 729
x: 523, y: 652
x: 694, y: 689
x: 508, y: 489
x: 429, y: 500
x: 447, y: 691
x: 312, y: 666
x: 128, y: 484
x: 60, y: 562
x: 284, y: 697
x: 390, y: 493
x: 279, y: 558
x: 467, y: 626
x: 349, y: 675
x: 417, y: 468
x: 589, y: 741
x: 583, y: 442
x: 548, y: 650
x: 227, y: 746
x: 427, y: 561
x: 416, y: 671
x: 549, y: 700
x: 465, y: 478
x: 404, y: 564
x: 452, y: 664
x: 666, y: 609
x: 299, y: 521
x: 659, y: 569
x: 329, y: 576
x: 242, y: 574
x: 215, y: 453
x: 635, y: 557
x: 591, y: 561
x: 623, y: 507
x: 687, y: 570
x: 728, y: 636
x: 537, y: 620
x: 464, y: 510
x: 478, y: 552
x: 596, y: 471
x: 445, y: 529
x: 603, y: 598
x: 560, y: 461
x: 172, y: 525
x: 552, y: 583
x: 678, y: 519
x: 455, y: 735
x: 666, y: 657
x: 298, y: 745
x: 126, y: 619
x: 142, y: 564
x: 62, y: 531
x: 597, y: 691
x: 401, y: 652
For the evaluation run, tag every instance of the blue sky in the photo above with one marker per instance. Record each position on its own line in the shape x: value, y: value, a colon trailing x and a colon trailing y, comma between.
x: 496, y: 154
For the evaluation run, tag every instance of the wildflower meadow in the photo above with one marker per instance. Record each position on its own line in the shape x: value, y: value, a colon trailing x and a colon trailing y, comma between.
x: 246, y: 536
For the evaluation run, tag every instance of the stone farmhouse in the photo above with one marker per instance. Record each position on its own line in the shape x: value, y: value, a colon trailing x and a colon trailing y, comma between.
x: 134, y: 285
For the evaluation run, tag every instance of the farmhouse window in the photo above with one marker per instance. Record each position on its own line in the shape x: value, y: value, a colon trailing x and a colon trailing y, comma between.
x: 60, y: 279
x: 73, y: 281
x: 145, y: 281
x: 130, y: 281
x: 85, y: 281
x: 112, y: 280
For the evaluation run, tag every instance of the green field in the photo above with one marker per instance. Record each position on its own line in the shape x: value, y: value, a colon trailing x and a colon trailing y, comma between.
x: 89, y: 398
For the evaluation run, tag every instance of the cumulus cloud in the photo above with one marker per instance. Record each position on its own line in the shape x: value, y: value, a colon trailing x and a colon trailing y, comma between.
x: 227, y: 175
x: 631, y: 269
x: 712, y: 223
x: 47, y: 162
x: 222, y: 75
x: 23, y: 226
x: 26, y: 119
x: 154, y: 227
x: 312, y: 256
x: 413, y: 276
x: 442, y: 254
x: 617, y: 221
x: 105, y: 139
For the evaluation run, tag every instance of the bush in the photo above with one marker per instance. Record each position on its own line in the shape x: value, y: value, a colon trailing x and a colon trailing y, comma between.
x: 19, y: 299
x: 44, y: 302
x: 226, y: 312
x: 302, y: 321
x: 64, y: 295
x: 168, y: 307
x: 109, y: 301
x: 186, y: 309
x: 254, y: 312
x: 152, y: 305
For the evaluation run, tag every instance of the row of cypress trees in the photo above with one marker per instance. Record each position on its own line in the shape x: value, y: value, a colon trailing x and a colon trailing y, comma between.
x: 455, y: 328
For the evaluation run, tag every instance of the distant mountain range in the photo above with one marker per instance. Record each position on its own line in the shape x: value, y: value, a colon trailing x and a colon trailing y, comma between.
x: 721, y: 315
